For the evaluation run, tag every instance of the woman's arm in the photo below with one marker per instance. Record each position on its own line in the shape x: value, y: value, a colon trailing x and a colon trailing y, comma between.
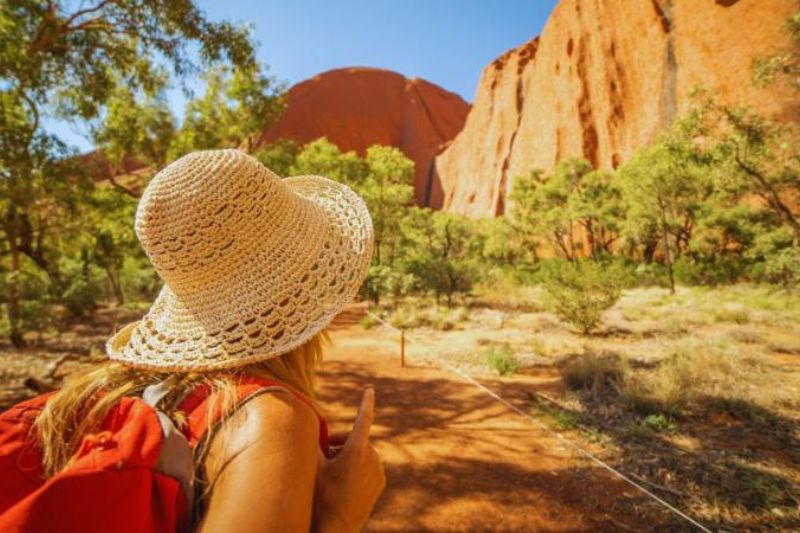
x: 262, y: 468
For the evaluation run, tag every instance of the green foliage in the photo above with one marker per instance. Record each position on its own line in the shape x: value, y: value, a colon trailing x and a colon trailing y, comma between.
x: 104, y: 64
x: 442, y: 253
x: 783, y: 65
x: 783, y: 268
x: 279, y: 156
x: 439, y: 318
x: 575, y: 200
x: 581, y: 292
x: 658, y: 422
x: 388, y: 190
x: 323, y: 158
x: 506, y: 246
x: 501, y: 359
x: 235, y: 105
x: 135, y: 124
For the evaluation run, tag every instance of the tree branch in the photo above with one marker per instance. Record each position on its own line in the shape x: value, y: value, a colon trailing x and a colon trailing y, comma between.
x: 122, y: 188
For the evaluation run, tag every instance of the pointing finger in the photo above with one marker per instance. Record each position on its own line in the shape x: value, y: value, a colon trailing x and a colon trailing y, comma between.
x: 366, y: 413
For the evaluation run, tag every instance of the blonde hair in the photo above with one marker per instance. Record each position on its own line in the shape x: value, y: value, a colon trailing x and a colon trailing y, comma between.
x: 80, y: 406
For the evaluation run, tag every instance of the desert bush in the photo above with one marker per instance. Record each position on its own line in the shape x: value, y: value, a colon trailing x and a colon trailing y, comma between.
x: 783, y: 268
x: 80, y: 296
x: 501, y: 359
x: 693, y: 369
x: 37, y: 309
x: 581, y: 292
x: 369, y: 322
x: 500, y: 290
x: 658, y: 422
x: 730, y: 314
x: 595, y: 373
x: 138, y: 279
x: 719, y: 272
x: 441, y: 318
x: 651, y: 275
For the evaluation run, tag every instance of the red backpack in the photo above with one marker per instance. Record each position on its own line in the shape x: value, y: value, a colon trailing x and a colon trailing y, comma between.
x: 133, y: 474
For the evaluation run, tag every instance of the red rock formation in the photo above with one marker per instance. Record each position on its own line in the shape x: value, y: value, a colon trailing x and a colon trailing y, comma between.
x: 604, y: 78
x: 358, y: 107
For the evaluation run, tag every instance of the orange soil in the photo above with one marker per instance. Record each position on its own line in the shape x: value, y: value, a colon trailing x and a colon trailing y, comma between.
x: 457, y: 460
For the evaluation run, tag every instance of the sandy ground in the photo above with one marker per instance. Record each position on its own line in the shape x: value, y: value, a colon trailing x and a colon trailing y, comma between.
x: 457, y: 460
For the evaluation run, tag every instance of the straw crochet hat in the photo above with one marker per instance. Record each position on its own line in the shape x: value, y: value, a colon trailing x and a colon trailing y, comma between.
x: 253, y: 265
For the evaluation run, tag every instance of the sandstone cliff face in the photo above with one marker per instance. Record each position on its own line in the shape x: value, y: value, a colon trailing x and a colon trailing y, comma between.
x: 604, y: 78
x: 358, y: 107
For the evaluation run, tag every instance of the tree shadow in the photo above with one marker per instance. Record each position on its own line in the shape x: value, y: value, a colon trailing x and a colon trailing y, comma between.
x: 731, y: 454
x: 446, y: 470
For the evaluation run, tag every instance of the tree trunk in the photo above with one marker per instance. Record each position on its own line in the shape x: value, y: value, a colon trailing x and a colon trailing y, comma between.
x: 12, y: 283
x: 116, y: 286
x: 667, y: 252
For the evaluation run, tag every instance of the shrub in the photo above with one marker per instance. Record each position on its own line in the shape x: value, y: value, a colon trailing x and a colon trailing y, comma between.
x: 501, y: 290
x: 720, y: 271
x: 138, y: 279
x: 441, y: 318
x: 735, y: 315
x: 581, y: 292
x: 594, y: 373
x: 501, y: 359
x: 369, y: 322
x: 651, y: 275
x: 80, y: 296
x: 692, y: 370
x: 658, y: 422
x: 783, y: 268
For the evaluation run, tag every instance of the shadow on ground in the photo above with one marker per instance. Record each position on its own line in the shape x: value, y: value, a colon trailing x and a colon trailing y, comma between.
x: 738, y: 458
x: 452, y: 464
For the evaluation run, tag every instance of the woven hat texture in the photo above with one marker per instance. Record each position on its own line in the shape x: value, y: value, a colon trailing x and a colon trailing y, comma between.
x: 253, y: 265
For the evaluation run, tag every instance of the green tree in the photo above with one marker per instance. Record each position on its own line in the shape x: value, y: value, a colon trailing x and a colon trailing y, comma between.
x: 444, y: 251
x: 664, y: 187
x: 237, y: 103
x: 134, y: 125
x: 574, y: 202
x: 505, y: 246
x: 539, y: 207
x: 67, y: 60
x: 581, y: 291
x: 322, y: 157
x: 279, y: 156
x: 389, y: 192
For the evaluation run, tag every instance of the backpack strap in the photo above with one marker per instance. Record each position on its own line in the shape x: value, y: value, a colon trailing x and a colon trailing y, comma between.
x: 176, y: 457
x: 199, y: 403
x: 202, y: 423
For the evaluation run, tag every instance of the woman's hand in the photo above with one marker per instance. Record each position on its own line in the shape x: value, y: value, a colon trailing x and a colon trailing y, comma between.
x: 348, y: 485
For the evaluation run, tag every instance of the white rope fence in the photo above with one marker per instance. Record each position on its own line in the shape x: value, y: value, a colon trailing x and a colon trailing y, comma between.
x: 563, y: 440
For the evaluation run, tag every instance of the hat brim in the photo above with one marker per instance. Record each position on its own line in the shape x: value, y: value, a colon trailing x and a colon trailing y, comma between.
x: 171, y: 338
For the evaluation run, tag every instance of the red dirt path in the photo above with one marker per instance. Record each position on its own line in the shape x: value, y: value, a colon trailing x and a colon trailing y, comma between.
x: 457, y: 460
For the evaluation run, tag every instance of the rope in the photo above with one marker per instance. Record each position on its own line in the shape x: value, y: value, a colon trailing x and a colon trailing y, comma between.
x: 563, y: 440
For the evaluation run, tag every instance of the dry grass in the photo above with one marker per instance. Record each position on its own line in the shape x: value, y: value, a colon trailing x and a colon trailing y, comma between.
x: 695, y: 368
x: 596, y: 373
x: 673, y: 350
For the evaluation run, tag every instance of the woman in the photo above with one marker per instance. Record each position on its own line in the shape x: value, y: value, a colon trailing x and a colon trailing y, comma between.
x: 254, y: 268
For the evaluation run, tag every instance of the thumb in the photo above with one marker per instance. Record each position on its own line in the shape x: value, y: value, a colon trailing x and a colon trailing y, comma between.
x: 363, y: 423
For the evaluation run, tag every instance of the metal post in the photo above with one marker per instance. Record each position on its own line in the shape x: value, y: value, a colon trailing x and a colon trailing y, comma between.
x: 402, y: 348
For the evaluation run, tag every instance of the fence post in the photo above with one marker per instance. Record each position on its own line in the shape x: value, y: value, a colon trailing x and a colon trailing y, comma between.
x: 402, y: 348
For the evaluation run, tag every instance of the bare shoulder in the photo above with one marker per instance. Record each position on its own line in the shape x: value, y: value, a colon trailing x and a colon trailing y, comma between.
x: 263, y: 461
x: 274, y: 424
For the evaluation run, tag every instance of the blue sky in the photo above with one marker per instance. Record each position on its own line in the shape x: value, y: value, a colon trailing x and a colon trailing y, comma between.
x: 447, y: 42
